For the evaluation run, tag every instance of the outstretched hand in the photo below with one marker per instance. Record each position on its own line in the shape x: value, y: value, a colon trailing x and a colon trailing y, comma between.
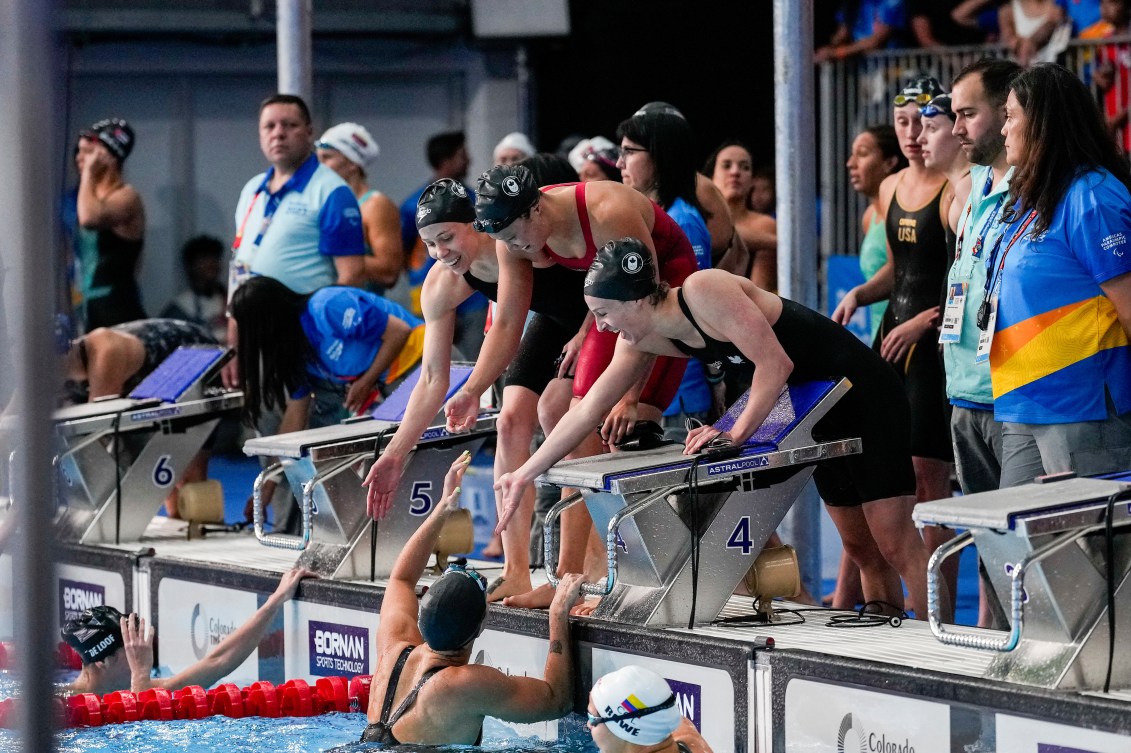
x: 288, y: 584
x: 508, y: 490
x: 452, y: 481
x: 461, y: 412
x: 382, y: 481
x: 137, y: 640
x: 698, y: 438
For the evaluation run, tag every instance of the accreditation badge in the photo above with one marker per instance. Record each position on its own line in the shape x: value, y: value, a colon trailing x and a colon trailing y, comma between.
x: 951, y: 330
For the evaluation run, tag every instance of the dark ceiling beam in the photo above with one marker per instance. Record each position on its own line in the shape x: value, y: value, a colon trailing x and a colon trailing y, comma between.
x: 161, y: 22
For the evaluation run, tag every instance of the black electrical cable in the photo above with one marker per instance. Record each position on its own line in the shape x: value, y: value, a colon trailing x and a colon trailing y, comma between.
x: 373, y: 521
x: 693, y: 500
x: 1109, y: 555
x: 858, y: 618
x: 117, y: 477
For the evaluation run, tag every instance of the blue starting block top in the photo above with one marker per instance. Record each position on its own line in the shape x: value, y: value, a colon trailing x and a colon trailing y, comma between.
x: 394, y: 406
x: 625, y: 471
x: 184, y: 367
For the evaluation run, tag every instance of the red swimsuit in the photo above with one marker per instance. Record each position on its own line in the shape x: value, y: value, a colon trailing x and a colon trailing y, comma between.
x: 676, y: 261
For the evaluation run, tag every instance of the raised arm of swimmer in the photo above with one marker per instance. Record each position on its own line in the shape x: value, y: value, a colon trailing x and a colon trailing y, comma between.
x: 441, y: 294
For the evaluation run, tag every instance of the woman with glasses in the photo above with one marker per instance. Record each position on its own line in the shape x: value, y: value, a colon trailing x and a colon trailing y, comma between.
x: 467, y: 263
x: 1057, y: 298
x: 912, y: 280
x: 771, y: 341
x: 633, y: 710
x: 425, y: 691
x: 731, y: 169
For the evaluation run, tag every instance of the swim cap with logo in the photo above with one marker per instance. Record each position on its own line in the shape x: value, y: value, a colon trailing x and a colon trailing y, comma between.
x: 95, y: 634
x: 504, y: 193
x: 637, y: 704
x: 622, y: 270
x: 115, y: 134
x: 446, y: 200
x: 353, y: 141
x: 452, y: 610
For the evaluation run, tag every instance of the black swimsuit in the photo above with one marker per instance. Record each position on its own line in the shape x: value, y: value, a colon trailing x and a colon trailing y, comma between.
x: 381, y: 731
x: 821, y: 349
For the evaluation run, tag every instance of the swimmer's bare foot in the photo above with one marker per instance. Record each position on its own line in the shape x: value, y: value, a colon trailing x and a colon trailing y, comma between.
x: 539, y: 598
x: 586, y: 607
x: 494, y: 547
x: 508, y: 585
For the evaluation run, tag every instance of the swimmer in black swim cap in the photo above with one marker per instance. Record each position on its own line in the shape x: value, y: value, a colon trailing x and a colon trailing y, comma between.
x: 417, y: 640
x: 446, y: 200
x: 95, y: 634
x: 623, y: 270
x: 504, y: 194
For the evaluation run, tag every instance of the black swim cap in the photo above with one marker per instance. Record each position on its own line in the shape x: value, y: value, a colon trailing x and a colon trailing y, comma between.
x: 919, y: 91
x: 623, y: 270
x: 504, y: 193
x: 95, y: 634
x: 658, y: 108
x: 446, y: 200
x: 115, y: 133
x: 453, y: 608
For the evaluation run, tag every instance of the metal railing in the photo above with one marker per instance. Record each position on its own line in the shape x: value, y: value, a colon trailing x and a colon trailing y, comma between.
x: 855, y: 94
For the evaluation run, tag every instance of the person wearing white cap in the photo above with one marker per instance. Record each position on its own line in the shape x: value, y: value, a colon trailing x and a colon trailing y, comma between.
x: 634, y: 709
x: 514, y: 148
x: 350, y: 151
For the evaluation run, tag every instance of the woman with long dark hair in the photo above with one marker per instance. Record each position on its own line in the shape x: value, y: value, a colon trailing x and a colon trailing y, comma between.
x: 341, y: 344
x: 1057, y: 299
x: 731, y: 168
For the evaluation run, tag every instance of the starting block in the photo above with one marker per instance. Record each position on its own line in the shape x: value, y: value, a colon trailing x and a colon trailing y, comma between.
x: 338, y: 538
x: 139, y: 444
x: 652, y: 502
x: 1044, y: 548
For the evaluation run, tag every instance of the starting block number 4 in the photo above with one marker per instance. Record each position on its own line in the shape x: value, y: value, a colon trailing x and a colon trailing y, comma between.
x: 421, y: 498
x: 163, y: 475
x: 740, y: 537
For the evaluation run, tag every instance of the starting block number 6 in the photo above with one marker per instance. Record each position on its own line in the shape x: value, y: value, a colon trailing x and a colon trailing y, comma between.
x: 421, y: 498
x: 163, y: 475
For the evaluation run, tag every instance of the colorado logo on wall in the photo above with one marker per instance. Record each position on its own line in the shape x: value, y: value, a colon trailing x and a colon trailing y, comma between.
x: 195, y: 618
x: 338, y: 650
x: 826, y: 717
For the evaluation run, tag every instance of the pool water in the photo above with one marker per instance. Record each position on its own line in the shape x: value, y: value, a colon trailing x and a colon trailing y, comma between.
x: 330, y: 732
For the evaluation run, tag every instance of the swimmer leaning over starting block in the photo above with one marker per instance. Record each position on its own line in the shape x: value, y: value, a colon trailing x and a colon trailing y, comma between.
x: 721, y: 318
x: 117, y: 650
x: 424, y: 691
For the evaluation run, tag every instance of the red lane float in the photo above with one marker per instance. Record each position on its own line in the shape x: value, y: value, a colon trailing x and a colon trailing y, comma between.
x: 293, y: 698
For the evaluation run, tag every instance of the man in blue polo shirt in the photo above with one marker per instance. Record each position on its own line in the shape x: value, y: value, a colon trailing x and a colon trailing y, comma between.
x: 298, y: 222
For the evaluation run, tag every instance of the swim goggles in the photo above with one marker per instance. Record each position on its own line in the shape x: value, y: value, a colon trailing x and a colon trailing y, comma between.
x: 939, y: 105
x: 634, y: 714
x: 920, y: 99
x: 472, y: 574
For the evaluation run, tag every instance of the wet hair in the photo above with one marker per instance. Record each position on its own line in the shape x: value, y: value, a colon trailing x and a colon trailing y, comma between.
x: 671, y: 145
x: 888, y: 144
x: 549, y: 169
x: 273, y: 350
x: 1065, y: 135
x: 287, y: 99
x: 444, y: 146
x: 713, y: 158
x: 996, y: 75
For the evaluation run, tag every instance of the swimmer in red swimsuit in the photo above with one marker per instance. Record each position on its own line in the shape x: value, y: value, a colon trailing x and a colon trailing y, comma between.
x: 566, y: 224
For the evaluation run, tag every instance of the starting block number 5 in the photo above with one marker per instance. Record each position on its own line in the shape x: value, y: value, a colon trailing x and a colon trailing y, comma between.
x: 163, y: 475
x: 740, y: 536
x: 421, y: 498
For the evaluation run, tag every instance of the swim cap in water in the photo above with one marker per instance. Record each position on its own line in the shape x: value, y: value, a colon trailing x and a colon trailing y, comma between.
x: 446, y: 200
x: 636, y: 704
x: 115, y: 134
x: 452, y: 610
x: 504, y: 193
x: 95, y: 634
x: 623, y: 270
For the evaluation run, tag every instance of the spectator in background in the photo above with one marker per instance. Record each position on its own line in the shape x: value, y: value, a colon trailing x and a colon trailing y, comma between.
x: 595, y: 159
x: 863, y: 26
x: 1082, y: 13
x: 110, y: 232
x: 205, y: 301
x: 730, y: 168
x: 447, y: 154
x: 349, y: 150
x: 937, y: 23
x: 513, y: 148
x: 763, y: 191
x: 1035, y: 30
x: 1112, y: 73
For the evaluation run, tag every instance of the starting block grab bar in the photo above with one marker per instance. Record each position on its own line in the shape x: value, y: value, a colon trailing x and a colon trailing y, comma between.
x: 283, y: 541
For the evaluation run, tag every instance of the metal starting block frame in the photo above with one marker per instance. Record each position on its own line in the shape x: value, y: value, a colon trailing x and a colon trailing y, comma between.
x: 643, y: 501
x: 1043, y: 547
x: 338, y: 538
x: 142, y: 442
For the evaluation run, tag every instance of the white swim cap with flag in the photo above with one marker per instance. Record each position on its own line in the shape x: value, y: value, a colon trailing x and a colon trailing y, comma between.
x: 514, y: 140
x: 353, y: 141
x: 637, y: 705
